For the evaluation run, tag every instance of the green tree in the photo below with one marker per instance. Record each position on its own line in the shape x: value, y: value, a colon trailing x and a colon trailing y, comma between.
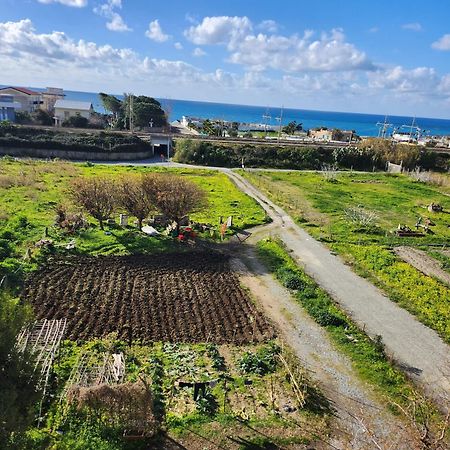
x: 144, y: 111
x: 18, y: 392
x: 42, y: 117
x: 292, y: 127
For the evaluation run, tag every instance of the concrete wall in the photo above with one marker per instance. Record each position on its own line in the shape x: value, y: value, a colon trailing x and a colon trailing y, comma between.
x: 75, y: 155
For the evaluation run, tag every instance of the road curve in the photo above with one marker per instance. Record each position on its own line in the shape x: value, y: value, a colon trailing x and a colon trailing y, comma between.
x: 417, y: 349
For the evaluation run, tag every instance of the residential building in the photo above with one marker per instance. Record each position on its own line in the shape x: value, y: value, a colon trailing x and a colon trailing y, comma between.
x: 29, y: 100
x: 50, y: 96
x: 8, y: 107
x: 64, y: 109
x: 335, y: 135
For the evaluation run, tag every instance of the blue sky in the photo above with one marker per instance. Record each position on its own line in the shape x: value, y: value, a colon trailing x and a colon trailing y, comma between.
x: 387, y: 57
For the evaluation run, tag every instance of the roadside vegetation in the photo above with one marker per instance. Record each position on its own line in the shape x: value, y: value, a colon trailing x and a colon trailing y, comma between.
x: 370, y: 155
x: 367, y: 355
x: 357, y: 216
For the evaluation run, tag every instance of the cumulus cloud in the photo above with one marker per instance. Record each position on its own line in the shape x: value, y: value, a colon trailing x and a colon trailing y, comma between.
x: 257, y: 52
x: 219, y: 30
x: 115, y: 20
x: 155, y: 32
x: 329, y: 52
x: 198, y: 52
x: 178, y: 45
x: 442, y: 43
x: 74, y: 3
x: 415, y: 26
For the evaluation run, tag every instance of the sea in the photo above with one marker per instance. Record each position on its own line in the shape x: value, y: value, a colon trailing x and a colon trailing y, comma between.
x: 363, y: 124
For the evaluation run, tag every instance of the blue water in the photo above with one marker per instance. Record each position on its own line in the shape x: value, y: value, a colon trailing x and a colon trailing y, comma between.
x: 363, y: 124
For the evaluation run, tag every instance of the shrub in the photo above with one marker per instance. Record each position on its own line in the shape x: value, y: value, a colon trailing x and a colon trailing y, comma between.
x: 262, y: 362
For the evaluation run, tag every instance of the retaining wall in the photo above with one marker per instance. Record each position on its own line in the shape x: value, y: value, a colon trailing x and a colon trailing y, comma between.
x: 75, y: 154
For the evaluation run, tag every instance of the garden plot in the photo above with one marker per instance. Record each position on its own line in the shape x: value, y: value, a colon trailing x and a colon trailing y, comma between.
x: 423, y: 262
x: 178, y: 297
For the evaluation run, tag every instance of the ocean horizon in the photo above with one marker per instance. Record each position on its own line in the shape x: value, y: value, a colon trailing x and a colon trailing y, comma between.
x: 362, y: 123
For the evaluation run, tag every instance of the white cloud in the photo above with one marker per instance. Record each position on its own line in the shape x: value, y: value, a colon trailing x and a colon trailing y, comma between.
x: 219, y: 30
x: 178, y: 45
x: 32, y: 58
x: 21, y: 40
x: 329, y: 52
x: 442, y: 43
x: 198, y: 52
x: 155, y: 32
x: 268, y: 25
x: 420, y: 81
x: 115, y: 20
x: 374, y: 30
x: 415, y: 26
x: 74, y: 3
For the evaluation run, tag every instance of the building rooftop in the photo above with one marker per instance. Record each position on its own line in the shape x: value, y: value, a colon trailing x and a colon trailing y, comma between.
x: 70, y: 104
x: 21, y: 89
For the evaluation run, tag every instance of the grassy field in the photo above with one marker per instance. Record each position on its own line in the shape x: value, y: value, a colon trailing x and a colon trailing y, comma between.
x: 321, y: 205
x: 30, y: 191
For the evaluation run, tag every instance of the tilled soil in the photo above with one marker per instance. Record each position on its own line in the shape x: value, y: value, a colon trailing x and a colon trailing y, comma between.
x: 180, y: 297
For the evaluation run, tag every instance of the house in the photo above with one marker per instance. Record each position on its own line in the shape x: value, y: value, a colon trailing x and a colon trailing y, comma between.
x: 50, y: 96
x: 29, y: 100
x: 321, y: 134
x: 64, y: 109
x: 336, y: 135
x: 8, y: 108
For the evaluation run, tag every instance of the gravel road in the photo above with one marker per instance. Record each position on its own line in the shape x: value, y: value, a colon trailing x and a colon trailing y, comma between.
x: 417, y: 349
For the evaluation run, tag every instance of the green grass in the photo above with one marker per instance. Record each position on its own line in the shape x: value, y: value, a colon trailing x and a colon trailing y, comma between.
x: 367, y: 355
x: 320, y: 205
x: 30, y: 190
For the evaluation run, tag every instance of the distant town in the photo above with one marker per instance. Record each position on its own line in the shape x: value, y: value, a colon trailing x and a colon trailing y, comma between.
x: 49, y: 107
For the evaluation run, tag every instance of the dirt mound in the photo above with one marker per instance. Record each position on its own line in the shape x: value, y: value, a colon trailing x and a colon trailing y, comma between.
x: 423, y: 262
x: 180, y: 297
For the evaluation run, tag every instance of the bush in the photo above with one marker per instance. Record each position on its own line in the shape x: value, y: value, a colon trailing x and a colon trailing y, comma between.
x: 262, y: 362
x: 76, y: 121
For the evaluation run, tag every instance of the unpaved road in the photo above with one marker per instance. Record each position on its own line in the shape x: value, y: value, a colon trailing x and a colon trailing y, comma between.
x: 361, y: 421
x: 423, y: 262
x: 417, y: 349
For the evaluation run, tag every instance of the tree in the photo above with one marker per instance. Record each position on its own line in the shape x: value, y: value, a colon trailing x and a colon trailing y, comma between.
x: 292, y: 127
x: 42, y: 117
x: 144, y: 111
x: 134, y: 198
x: 18, y: 392
x: 174, y: 196
x: 110, y: 103
x: 95, y: 195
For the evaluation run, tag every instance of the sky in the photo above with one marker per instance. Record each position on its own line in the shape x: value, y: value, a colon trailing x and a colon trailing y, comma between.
x: 384, y: 57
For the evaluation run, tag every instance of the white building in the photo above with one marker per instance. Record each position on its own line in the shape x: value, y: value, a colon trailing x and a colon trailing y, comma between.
x: 65, y: 109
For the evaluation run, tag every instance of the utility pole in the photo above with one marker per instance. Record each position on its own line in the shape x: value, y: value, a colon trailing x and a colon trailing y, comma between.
x: 266, y: 119
x: 131, y: 112
x: 280, y: 120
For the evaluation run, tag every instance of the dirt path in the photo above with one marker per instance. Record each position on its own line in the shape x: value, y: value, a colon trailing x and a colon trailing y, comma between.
x: 361, y: 422
x: 417, y: 349
x: 423, y: 262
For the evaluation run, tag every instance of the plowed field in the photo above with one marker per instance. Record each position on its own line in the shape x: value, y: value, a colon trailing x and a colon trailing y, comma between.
x: 182, y: 297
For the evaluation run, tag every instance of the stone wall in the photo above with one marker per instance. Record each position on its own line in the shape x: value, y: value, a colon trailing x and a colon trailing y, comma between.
x: 75, y: 155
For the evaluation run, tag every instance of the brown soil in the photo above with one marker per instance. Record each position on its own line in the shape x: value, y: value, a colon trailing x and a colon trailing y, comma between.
x: 181, y: 297
x: 423, y: 262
